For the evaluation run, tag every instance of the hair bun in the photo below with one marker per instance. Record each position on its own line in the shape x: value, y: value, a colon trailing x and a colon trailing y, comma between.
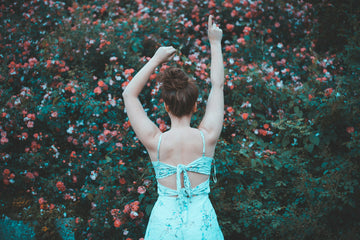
x: 174, y: 79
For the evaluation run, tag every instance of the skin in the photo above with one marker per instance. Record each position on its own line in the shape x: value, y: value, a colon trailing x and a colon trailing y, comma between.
x: 182, y: 144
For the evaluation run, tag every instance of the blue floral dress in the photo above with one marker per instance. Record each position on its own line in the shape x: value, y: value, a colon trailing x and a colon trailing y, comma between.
x: 190, y: 215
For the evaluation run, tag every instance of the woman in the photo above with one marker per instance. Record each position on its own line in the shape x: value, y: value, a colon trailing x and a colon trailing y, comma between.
x: 182, y: 156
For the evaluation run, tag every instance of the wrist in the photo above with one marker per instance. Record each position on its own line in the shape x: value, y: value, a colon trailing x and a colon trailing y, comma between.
x: 154, y: 62
x: 215, y: 43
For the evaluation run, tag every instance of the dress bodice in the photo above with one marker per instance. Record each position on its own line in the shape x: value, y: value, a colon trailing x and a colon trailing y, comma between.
x: 201, y: 165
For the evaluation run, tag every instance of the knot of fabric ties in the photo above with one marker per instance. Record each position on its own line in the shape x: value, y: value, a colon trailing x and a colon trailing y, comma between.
x: 184, y: 194
x: 186, y: 191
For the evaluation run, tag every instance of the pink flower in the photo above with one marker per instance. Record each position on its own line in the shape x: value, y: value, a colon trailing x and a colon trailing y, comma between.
x: 42, y: 201
x: 247, y: 30
x: 97, y: 90
x: 115, y: 212
x: 4, y: 140
x: 350, y: 129
x: 127, y: 208
x: 141, y: 190
x: 54, y: 114
x: 101, y: 83
x: 30, y: 124
x: 147, y: 182
x: 30, y: 175
x: 241, y: 41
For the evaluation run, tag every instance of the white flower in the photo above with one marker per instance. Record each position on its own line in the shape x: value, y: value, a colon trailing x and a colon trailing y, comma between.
x: 93, y: 175
x: 113, y: 59
x: 280, y: 84
x: 70, y: 130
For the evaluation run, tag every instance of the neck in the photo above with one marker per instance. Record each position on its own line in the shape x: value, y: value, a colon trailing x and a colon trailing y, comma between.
x: 178, y: 123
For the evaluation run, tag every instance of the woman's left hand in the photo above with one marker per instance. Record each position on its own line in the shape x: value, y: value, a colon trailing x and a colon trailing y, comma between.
x: 164, y: 54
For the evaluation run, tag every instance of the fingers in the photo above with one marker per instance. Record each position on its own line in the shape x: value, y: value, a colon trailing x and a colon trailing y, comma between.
x: 172, y: 50
x: 211, y: 24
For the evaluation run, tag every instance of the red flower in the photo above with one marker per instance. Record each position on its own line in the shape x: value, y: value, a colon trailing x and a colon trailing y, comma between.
x: 262, y: 132
x: 6, y: 171
x: 230, y: 109
x: 122, y: 181
x: 230, y: 27
x: 117, y: 223
x: 245, y: 116
x: 60, y: 185
x: 328, y: 92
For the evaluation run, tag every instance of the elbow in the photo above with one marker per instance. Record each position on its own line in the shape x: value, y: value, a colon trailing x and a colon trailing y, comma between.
x: 124, y: 94
x: 128, y: 96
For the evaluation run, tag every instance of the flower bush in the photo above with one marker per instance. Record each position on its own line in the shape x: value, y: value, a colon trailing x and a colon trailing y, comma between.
x: 288, y: 155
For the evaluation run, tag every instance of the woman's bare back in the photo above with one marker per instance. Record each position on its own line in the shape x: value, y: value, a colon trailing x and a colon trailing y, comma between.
x: 182, y: 146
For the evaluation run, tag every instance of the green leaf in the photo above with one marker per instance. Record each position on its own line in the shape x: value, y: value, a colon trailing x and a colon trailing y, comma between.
x: 298, y: 112
x: 315, y: 140
x: 285, y: 141
x: 148, y: 209
x: 309, y: 147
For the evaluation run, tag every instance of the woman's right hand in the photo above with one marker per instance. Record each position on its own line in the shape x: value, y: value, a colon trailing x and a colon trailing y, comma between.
x: 214, y: 32
x: 164, y: 54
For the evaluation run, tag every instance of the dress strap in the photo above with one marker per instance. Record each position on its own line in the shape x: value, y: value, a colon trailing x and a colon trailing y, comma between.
x: 203, y: 139
x: 158, y: 148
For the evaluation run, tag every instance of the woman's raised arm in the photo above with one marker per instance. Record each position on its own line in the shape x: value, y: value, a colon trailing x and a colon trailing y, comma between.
x: 212, y: 122
x: 143, y: 127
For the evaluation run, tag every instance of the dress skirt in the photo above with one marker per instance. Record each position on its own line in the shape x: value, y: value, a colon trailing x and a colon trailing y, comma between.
x: 191, y: 218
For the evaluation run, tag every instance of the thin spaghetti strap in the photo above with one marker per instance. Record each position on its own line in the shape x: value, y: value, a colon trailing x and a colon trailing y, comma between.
x: 203, y: 139
x: 158, y: 148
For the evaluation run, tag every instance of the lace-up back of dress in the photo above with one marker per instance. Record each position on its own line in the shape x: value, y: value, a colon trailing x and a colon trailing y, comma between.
x: 183, y: 175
